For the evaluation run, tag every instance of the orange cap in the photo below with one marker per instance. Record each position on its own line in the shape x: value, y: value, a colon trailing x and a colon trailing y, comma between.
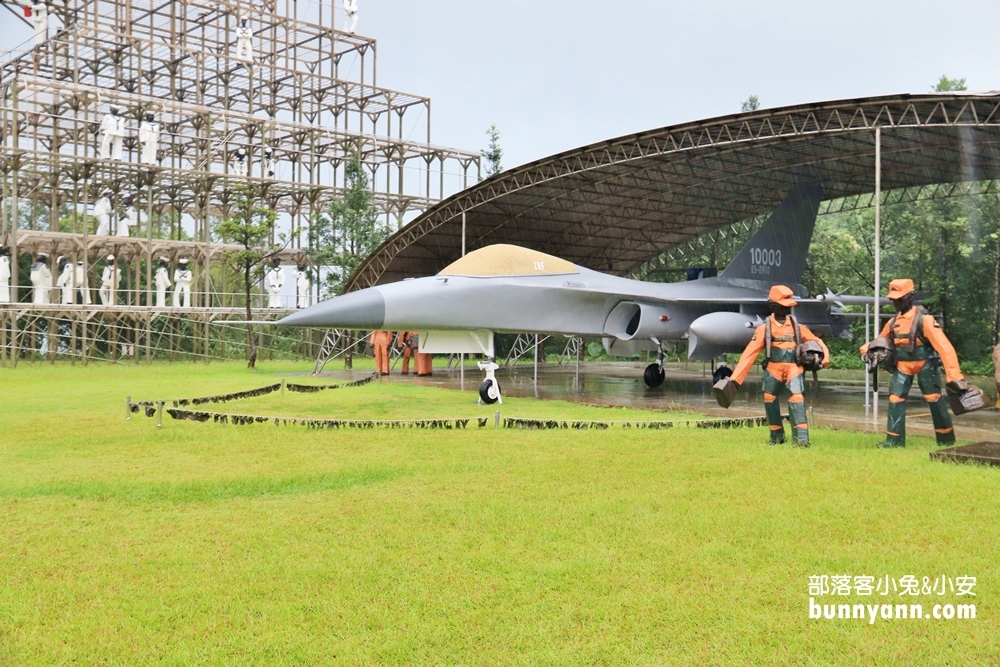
x: 900, y: 288
x: 783, y: 296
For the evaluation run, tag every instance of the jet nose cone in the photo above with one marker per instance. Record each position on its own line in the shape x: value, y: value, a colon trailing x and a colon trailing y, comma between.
x: 359, y: 310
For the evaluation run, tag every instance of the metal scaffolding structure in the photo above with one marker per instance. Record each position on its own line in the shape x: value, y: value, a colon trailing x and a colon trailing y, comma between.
x: 246, y: 97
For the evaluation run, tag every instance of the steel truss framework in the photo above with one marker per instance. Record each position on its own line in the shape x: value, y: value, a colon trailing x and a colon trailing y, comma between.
x: 618, y: 205
x: 309, y: 97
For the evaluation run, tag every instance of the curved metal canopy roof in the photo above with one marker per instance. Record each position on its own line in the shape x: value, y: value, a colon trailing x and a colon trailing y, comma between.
x: 614, y: 205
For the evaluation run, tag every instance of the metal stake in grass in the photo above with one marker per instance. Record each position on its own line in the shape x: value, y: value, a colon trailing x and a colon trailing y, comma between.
x: 128, y: 408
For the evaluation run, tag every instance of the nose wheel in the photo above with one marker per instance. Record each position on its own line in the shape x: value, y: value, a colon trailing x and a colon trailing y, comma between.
x: 489, y: 390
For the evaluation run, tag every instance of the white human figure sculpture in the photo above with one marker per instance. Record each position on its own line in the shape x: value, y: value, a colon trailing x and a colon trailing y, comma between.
x: 275, y: 281
x: 267, y: 166
x: 350, y: 16
x: 102, y: 211
x: 41, y: 280
x: 131, y: 218
x: 182, y: 289
x: 40, y: 19
x: 80, y: 280
x: 65, y: 281
x: 109, y: 282
x: 113, y: 127
x: 162, y: 280
x: 4, y: 276
x: 303, y: 285
x: 240, y: 162
x: 149, y: 137
x: 244, y: 42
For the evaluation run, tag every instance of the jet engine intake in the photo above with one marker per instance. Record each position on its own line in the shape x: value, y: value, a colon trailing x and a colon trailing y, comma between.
x: 630, y: 320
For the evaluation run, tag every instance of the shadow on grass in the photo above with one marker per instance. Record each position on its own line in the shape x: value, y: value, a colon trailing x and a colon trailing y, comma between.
x: 194, y: 492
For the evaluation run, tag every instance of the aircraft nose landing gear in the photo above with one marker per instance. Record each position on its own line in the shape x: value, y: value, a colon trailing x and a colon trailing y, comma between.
x: 489, y: 390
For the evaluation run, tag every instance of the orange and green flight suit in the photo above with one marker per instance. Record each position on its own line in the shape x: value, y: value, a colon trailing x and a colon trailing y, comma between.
x: 781, y: 369
x: 921, y: 348
x: 404, y: 341
x: 380, y: 341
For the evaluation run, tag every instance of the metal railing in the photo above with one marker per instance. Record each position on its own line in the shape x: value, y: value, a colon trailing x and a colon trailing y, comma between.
x: 143, y: 298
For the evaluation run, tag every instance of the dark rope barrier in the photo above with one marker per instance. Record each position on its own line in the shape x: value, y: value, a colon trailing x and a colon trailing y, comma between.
x: 312, y: 388
x: 451, y: 423
x: 149, y: 407
x: 545, y: 424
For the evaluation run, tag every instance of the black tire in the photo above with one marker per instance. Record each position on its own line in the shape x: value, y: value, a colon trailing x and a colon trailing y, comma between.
x: 484, y: 392
x: 721, y: 372
x: 653, y: 376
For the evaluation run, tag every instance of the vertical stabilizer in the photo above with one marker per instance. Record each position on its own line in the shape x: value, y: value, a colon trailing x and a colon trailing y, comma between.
x: 777, y: 252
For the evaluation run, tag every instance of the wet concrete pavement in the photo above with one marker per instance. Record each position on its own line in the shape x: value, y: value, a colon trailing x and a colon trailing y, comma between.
x: 838, y: 403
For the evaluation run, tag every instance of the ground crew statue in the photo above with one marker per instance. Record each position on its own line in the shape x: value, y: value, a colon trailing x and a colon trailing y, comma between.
x: 80, y: 280
x: 5, y: 275
x: 350, y: 16
x: 790, y: 349
x: 240, y: 165
x: 404, y: 341
x: 303, y: 285
x: 109, y: 282
x: 130, y: 219
x: 914, y: 345
x: 162, y: 281
x: 149, y: 137
x: 113, y: 127
x: 275, y: 280
x: 380, y: 341
x: 102, y: 211
x: 182, y: 287
x: 40, y: 20
x: 65, y: 280
x: 244, y: 42
x: 996, y: 350
x: 267, y: 164
x: 41, y: 280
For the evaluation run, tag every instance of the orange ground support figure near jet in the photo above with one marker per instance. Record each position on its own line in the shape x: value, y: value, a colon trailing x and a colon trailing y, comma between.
x: 778, y: 339
x: 380, y: 342
x: 920, y: 348
x: 404, y: 341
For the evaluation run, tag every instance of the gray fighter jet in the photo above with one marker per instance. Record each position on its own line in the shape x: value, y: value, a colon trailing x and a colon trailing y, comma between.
x: 510, y: 289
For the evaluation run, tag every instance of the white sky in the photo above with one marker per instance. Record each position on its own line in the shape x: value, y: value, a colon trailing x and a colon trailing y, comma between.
x: 554, y: 75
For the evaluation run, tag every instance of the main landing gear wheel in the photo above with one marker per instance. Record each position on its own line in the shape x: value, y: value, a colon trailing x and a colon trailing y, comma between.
x: 489, y: 391
x: 654, y: 376
x: 721, y: 372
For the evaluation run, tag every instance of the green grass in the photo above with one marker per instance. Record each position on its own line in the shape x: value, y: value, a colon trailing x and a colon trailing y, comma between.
x: 121, y: 544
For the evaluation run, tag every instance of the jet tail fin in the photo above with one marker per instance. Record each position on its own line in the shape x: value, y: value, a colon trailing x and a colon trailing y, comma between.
x: 777, y: 252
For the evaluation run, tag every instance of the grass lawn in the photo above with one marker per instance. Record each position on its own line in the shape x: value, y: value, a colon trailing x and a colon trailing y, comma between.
x: 201, y: 543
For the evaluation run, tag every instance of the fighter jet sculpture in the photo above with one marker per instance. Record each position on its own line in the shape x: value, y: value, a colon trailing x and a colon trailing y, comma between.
x: 510, y: 289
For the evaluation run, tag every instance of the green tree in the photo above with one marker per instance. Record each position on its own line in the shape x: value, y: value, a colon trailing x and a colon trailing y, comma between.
x: 251, y: 226
x: 493, y: 153
x: 344, y: 235
x: 751, y: 103
x: 945, y: 84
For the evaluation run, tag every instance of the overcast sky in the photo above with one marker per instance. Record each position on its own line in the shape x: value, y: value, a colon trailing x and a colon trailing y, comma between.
x: 557, y: 75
